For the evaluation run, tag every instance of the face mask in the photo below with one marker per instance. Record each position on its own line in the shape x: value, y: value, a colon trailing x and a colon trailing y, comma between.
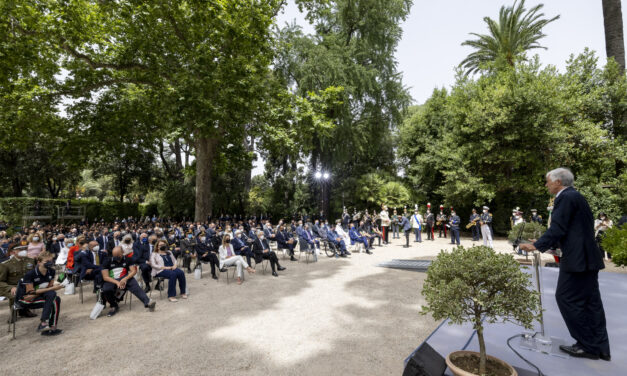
x: 96, y: 248
x: 128, y: 241
x: 485, y: 211
x: 145, y: 240
x: 261, y: 237
x: 36, y: 238
x: 49, y: 264
x: 54, y: 239
x: 190, y: 236
x: 70, y: 245
x: 162, y: 248
x: 228, y: 241
x: 22, y: 253
x: 202, y: 239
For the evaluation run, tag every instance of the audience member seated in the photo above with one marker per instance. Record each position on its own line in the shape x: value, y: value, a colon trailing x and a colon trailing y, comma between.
x: 188, y: 250
x: 89, y: 263
x: 356, y: 237
x: 240, y: 247
x: 80, y: 243
x: 284, y: 241
x: 268, y: 232
x: 64, y: 251
x: 162, y: 264
x: 37, y: 290
x: 228, y: 258
x: 205, y: 253
x: 261, y: 249
x: 307, y: 240
x: 118, y: 274
x: 375, y: 232
x: 337, y: 241
x: 143, y: 250
x: 340, y: 231
x: 12, y: 271
x: 35, y: 245
x: 364, y: 232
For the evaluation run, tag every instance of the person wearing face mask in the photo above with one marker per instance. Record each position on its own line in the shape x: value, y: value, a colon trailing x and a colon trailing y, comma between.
x: 454, y: 222
x: 35, y: 245
x: 228, y: 258
x: 262, y: 251
x: 12, y: 271
x: 188, y: 249
x: 162, y: 264
x: 205, y: 253
x: 142, y: 256
x: 89, y: 262
x: 240, y: 247
x: 78, y: 245
x: 58, y: 245
x: 118, y: 273
x: 37, y: 290
x: 486, y: 231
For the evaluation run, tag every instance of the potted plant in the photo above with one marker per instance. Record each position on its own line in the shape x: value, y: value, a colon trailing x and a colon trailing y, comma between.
x: 480, y: 286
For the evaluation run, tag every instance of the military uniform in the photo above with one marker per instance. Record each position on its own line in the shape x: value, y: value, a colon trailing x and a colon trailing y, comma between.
x: 486, y: 231
x: 442, y: 227
x: 536, y: 218
x: 12, y: 271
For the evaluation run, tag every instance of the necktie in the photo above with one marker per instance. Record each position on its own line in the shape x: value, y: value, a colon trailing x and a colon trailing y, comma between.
x: 228, y: 251
x: 97, y: 258
x: 104, y: 238
x: 151, y: 249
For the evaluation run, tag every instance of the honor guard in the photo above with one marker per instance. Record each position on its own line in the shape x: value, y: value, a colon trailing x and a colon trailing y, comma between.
x: 441, y: 222
x: 535, y: 217
x: 486, y: 230
x: 474, y: 225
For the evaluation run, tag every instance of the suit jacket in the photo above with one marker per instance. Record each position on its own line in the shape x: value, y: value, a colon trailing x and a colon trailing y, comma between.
x: 258, y: 247
x: 237, y: 243
x: 354, y: 235
x: 405, y: 224
x: 142, y: 255
x: 110, y: 243
x: 572, y: 229
x: 85, y: 260
x: 281, y: 239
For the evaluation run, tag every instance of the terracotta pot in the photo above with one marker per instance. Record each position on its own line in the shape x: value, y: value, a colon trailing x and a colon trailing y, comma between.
x: 460, y: 372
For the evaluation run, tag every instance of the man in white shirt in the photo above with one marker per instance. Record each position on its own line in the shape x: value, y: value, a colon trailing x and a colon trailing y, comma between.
x: 416, y: 225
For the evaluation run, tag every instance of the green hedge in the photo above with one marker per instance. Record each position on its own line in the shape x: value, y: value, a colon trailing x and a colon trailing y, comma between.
x: 12, y: 208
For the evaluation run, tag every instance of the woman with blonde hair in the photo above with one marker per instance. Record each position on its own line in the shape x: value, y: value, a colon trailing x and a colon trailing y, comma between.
x: 228, y: 258
x: 35, y: 245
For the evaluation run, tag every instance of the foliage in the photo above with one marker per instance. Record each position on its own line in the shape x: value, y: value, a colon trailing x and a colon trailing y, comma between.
x: 532, y: 230
x: 516, y: 31
x: 12, y: 208
x: 177, y: 200
x: 478, y: 285
x: 394, y: 194
x: 615, y: 242
x: 491, y: 140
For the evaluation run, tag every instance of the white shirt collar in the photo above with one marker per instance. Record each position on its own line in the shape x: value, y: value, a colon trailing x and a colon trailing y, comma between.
x: 558, y: 193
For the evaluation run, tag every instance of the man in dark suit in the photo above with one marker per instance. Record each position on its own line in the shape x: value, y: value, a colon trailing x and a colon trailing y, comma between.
x: 142, y: 255
x: 241, y: 249
x: 577, y: 293
x: 284, y: 241
x: 58, y: 245
x: 89, y: 262
x: 262, y: 250
x: 105, y: 241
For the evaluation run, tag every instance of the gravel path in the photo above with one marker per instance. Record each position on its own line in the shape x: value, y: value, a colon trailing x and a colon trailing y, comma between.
x: 334, y: 317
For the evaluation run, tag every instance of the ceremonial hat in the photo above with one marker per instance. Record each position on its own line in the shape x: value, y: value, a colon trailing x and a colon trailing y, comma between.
x: 486, y: 208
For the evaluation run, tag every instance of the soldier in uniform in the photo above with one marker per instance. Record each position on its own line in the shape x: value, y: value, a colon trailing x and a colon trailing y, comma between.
x: 11, y: 271
x: 535, y: 217
x: 486, y: 231
x: 430, y: 220
x: 441, y: 219
x: 474, y: 218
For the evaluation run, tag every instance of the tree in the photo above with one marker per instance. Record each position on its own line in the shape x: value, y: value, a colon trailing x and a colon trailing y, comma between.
x: 516, y: 31
x: 479, y: 286
x: 613, y: 25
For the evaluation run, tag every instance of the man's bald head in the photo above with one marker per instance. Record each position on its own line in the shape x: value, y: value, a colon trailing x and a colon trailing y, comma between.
x: 117, y: 251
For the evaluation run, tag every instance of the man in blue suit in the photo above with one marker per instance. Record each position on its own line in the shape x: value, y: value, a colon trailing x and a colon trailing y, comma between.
x: 337, y: 240
x: 356, y: 237
x: 105, y: 241
x: 241, y: 249
x: 577, y: 293
x: 89, y: 262
x: 284, y: 241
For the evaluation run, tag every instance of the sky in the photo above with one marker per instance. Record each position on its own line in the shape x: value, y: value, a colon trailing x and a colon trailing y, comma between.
x: 432, y: 35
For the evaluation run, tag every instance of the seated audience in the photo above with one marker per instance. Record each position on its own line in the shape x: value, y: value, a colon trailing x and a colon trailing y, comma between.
x: 240, y: 247
x: 206, y: 253
x: 284, y: 241
x: 162, y: 264
x: 35, y: 245
x: 118, y: 274
x: 37, y: 290
x: 89, y: 263
x: 228, y: 258
x: 12, y: 271
x: 261, y: 249
x: 356, y: 237
x: 337, y: 241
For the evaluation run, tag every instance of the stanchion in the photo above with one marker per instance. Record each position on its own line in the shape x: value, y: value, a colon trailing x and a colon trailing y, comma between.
x: 541, y: 341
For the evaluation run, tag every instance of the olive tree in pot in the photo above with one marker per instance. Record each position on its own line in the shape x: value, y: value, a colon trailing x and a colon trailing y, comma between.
x: 480, y: 286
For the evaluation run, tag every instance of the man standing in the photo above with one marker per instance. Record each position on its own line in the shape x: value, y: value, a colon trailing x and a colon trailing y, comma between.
x: 577, y: 293
x: 429, y: 219
x: 486, y: 231
x: 535, y: 217
x: 454, y: 222
x: 406, y: 226
x: 385, y: 223
x: 441, y: 222
x: 474, y: 218
x: 416, y: 224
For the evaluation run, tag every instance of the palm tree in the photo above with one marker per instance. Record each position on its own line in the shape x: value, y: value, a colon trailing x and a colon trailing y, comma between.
x: 516, y: 31
x: 613, y: 23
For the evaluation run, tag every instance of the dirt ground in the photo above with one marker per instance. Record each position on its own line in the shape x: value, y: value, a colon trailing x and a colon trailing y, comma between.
x: 334, y: 317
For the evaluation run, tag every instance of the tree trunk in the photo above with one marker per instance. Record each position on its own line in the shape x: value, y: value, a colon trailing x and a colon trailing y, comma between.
x: 482, y: 353
x: 613, y: 24
x: 205, y: 154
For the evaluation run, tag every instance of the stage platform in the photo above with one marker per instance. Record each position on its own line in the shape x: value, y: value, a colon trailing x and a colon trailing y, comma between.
x: 448, y: 338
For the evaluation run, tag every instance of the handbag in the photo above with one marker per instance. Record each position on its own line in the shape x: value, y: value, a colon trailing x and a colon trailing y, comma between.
x: 95, y: 312
x: 69, y: 289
